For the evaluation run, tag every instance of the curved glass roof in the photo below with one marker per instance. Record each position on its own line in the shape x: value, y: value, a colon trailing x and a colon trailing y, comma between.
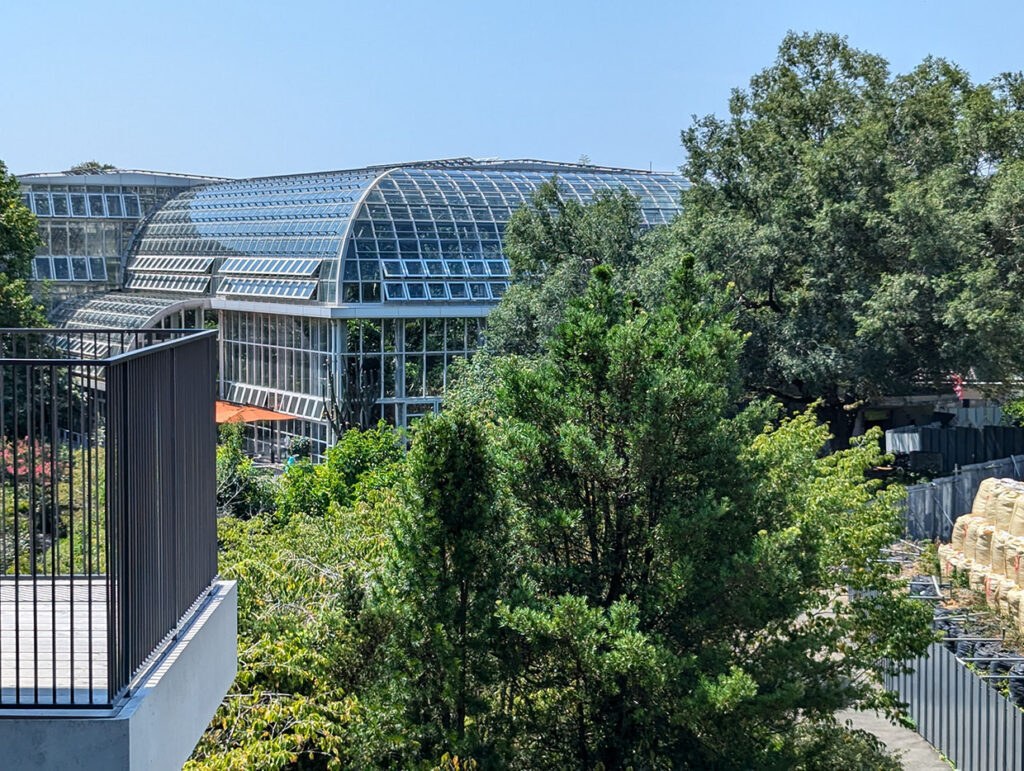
x: 257, y: 228
x: 421, y: 233
x: 115, y: 310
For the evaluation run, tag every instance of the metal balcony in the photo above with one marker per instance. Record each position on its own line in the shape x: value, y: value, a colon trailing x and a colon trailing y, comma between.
x: 108, y: 542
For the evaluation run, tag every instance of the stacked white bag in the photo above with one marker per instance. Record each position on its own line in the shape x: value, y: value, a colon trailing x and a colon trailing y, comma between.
x: 988, y: 546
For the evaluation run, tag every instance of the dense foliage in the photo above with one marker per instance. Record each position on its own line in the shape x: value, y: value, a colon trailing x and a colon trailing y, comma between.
x: 622, y: 544
x: 309, y: 488
x: 869, y: 221
x: 552, y: 245
x: 242, y: 490
x: 91, y: 167
x: 18, y: 240
x: 590, y: 559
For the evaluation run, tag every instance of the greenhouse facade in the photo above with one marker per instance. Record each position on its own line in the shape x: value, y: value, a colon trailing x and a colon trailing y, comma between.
x: 342, y: 298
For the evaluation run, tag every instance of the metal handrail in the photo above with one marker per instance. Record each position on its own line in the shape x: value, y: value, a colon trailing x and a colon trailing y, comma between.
x: 112, y: 481
x: 186, y: 335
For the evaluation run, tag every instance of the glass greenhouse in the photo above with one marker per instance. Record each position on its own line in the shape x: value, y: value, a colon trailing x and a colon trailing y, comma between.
x: 341, y: 297
x: 87, y: 221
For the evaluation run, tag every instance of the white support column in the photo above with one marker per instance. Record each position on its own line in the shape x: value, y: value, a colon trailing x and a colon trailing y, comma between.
x: 221, y: 367
x: 400, y: 373
x: 336, y: 361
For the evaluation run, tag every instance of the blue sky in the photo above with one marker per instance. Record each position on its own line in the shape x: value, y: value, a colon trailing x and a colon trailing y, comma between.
x: 249, y: 88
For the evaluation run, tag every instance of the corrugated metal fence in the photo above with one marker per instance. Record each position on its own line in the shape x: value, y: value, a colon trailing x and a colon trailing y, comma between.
x: 932, y: 507
x: 968, y: 721
x: 956, y: 446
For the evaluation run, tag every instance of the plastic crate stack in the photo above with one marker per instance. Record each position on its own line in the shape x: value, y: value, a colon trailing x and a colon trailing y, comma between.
x: 988, y: 546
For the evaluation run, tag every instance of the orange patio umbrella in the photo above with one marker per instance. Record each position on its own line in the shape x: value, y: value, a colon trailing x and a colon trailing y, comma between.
x: 246, y: 413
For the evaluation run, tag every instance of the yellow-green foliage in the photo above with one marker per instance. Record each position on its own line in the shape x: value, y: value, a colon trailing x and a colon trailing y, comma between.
x: 310, y: 642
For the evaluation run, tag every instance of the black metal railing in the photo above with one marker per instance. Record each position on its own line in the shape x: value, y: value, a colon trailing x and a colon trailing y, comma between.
x: 107, y: 505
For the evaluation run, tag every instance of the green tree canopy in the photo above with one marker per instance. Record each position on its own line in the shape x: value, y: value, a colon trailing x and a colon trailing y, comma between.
x: 18, y: 240
x: 552, y: 244
x: 91, y: 167
x: 867, y: 221
x: 592, y: 558
x: 451, y: 558
x: 680, y: 594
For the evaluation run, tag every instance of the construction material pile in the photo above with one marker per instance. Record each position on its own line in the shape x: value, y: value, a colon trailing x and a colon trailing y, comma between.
x: 988, y: 547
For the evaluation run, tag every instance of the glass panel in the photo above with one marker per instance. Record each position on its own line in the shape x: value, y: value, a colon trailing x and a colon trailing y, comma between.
x: 79, y: 270
x: 417, y: 291
x: 371, y: 292
x: 393, y: 268
x: 414, y: 375
x: 60, y: 205
x: 44, y: 269
x: 457, y: 290
x: 114, y: 206
x: 131, y: 206
x: 265, y: 287
x: 371, y: 337
x: 42, y: 204
x: 413, y: 335
x: 94, y: 239
x: 437, y: 291
x: 58, y: 239
x: 98, y: 269
x: 111, y: 239
x: 390, y: 333
x: 455, y: 334
x: 394, y: 290
x: 390, y: 367
x: 96, y: 206
x: 278, y: 266
x: 61, y: 271
x: 435, y: 375
x: 478, y: 291
x: 76, y: 238
x: 167, y: 283
x: 435, y: 334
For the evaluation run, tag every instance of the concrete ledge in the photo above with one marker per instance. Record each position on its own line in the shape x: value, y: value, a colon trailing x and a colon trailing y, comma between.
x: 158, y: 727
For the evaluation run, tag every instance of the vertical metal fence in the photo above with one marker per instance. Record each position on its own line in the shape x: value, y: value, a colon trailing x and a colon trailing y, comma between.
x: 972, y: 724
x: 107, y: 505
x: 931, y: 508
x: 956, y: 445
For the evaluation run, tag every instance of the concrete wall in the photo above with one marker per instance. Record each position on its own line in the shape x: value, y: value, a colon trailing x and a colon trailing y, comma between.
x: 159, y: 725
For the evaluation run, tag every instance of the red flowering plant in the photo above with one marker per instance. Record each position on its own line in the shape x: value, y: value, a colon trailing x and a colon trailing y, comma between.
x: 25, y: 461
x: 28, y: 471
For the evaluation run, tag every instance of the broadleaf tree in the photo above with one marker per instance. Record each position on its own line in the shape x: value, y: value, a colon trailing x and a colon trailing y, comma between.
x: 18, y: 240
x: 868, y: 222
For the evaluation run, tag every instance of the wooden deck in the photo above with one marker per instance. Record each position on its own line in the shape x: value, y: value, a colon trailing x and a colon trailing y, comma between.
x: 53, y: 641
